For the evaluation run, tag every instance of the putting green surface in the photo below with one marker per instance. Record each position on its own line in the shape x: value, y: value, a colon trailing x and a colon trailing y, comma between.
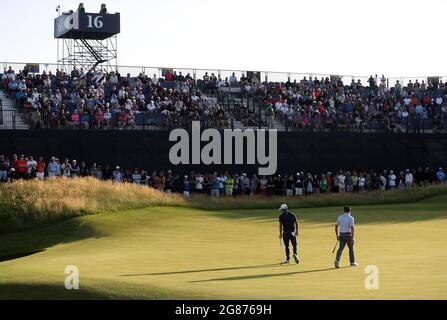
x: 173, y: 253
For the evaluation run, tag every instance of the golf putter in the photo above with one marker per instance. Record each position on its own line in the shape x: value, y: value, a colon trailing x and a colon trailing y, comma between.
x: 280, y: 251
x: 335, y: 246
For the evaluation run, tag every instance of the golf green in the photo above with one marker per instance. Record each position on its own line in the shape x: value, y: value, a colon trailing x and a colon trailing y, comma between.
x: 161, y: 253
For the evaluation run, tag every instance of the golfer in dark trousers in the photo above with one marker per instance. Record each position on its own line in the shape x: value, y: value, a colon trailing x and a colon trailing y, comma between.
x: 345, y: 224
x: 288, y: 230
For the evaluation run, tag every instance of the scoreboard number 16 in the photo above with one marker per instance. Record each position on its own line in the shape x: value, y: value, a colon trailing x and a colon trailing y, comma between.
x: 96, y: 23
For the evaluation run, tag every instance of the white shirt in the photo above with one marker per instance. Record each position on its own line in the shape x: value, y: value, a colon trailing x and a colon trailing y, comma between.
x: 31, y: 164
x: 409, y: 178
x: 345, y: 222
x: 221, y: 181
x: 199, y: 181
x: 392, y: 180
x: 361, y: 182
x: 341, y: 179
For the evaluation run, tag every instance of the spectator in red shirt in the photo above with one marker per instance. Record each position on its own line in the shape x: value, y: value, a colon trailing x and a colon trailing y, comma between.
x: 15, y: 162
x: 169, y: 76
x: 22, y: 169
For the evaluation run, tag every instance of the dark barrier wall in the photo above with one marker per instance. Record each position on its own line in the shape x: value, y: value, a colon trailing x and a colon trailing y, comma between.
x: 296, y: 151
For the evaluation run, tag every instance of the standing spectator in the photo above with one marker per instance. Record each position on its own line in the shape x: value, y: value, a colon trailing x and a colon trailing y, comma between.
x: 83, y: 170
x: 341, y: 181
x: 355, y: 181
x: 107, y: 173
x: 169, y: 184
x: 127, y: 177
x: 233, y: 80
x: 263, y: 185
x: 22, y: 167
x: 75, y: 169
x: 392, y: 180
x: 199, y: 183
x: 299, y: 185
x: 289, y: 186
x: 4, y: 167
x: 408, y: 179
x: 222, y: 179
x: 329, y: 181
x: 94, y: 171
x: 229, y: 184
x: 401, y: 180
x: 245, y: 183
x: 66, y: 168
x: 215, y: 186
x: 99, y: 173
x: 440, y: 176
x: 315, y: 184
x: 362, y: 183
x: 309, y: 184
x: 323, y: 184
x: 40, y: 169
x: 186, y: 186
x: 136, y: 176
x: 254, y: 185
x: 348, y: 182
x: 31, y: 165
x: 382, y: 182
x: 236, y: 185
x: 117, y: 176
x: 144, y: 177
x: 54, y: 168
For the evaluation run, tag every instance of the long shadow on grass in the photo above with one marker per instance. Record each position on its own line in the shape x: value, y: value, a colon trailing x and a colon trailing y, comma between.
x: 19, y: 291
x: 20, y: 243
x: 201, y: 270
x: 268, y: 275
x: 18, y: 255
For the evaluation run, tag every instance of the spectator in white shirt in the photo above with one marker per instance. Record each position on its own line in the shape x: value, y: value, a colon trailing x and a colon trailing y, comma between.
x: 361, y: 183
x: 392, y: 180
x: 341, y: 182
x: 31, y: 165
x: 408, y: 178
x: 233, y: 80
x: 199, y: 183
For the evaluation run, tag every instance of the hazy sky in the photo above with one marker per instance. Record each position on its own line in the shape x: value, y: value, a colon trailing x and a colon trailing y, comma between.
x: 352, y: 37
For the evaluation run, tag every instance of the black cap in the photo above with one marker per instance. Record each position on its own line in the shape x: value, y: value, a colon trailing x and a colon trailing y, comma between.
x: 347, y: 209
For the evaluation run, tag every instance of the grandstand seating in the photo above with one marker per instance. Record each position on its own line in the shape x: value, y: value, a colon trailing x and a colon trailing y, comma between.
x: 303, y: 105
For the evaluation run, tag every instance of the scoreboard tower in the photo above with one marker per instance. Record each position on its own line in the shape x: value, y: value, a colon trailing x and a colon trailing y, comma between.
x: 89, y: 40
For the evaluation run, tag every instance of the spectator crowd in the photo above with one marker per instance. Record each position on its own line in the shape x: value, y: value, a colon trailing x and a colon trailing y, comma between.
x: 330, y: 104
x: 100, y: 99
x: 225, y: 183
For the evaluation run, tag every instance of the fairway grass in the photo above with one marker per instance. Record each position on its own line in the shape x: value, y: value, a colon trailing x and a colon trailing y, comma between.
x: 185, y: 253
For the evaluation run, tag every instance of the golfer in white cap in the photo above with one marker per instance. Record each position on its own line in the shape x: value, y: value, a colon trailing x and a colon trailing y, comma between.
x: 288, y: 231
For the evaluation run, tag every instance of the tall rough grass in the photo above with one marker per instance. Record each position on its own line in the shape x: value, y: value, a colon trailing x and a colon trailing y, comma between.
x: 25, y: 204
x: 320, y: 200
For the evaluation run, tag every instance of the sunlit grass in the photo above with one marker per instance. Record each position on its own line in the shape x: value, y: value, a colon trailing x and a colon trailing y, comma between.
x: 29, y: 203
